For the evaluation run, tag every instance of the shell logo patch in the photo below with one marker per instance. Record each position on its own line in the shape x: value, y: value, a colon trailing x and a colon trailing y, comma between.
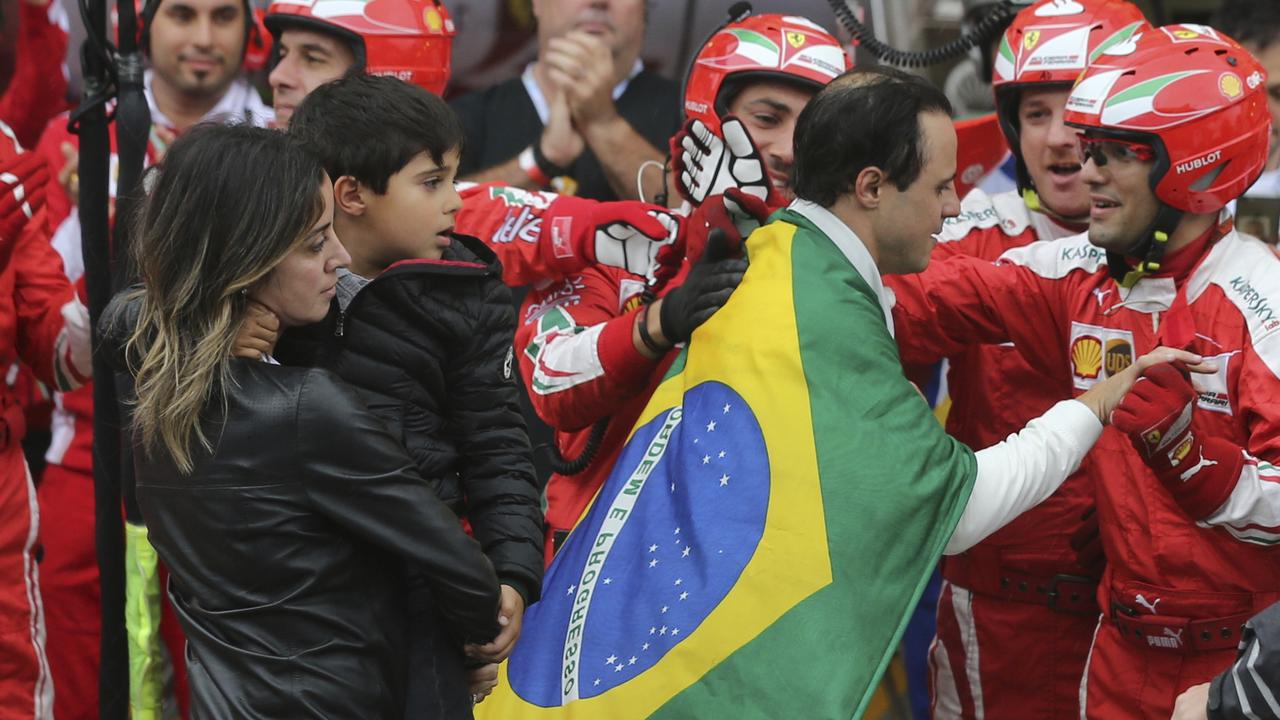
x: 1179, y: 453
x: 1230, y: 85
x: 1086, y: 357
x: 431, y: 17
x: 1097, y: 353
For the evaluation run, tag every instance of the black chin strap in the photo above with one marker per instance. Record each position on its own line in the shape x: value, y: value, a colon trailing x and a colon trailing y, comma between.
x: 1149, y: 252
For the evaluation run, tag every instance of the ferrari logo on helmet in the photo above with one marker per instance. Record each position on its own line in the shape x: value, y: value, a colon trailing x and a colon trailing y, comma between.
x: 796, y: 39
x: 1185, y: 34
x: 1032, y: 37
x: 1230, y: 85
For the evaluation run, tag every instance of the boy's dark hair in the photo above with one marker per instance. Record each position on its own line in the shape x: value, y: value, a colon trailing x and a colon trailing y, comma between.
x: 369, y: 127
x: 1253, y: 22
x: 863, y: 118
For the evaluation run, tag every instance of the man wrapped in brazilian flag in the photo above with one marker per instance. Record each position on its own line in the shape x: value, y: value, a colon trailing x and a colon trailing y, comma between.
x: 784, y: 496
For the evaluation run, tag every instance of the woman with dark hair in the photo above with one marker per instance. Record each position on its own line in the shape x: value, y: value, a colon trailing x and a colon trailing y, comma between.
x: 283, y: 509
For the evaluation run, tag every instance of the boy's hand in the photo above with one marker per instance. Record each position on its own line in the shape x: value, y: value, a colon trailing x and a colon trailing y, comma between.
x: 481, y: 681
x: 510, y: 617
x: 258, y: 333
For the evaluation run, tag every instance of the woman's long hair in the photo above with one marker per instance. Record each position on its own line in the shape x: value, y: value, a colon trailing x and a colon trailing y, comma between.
x: 228, y: 204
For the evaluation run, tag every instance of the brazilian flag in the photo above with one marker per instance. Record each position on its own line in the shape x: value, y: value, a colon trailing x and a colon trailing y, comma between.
x: 769, y: 525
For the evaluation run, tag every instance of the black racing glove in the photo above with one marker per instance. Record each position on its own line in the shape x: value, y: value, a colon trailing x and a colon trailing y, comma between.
x: 706, y: 289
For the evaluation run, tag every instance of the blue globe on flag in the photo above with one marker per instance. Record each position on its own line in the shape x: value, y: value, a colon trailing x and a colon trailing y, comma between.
x: 664, y: 542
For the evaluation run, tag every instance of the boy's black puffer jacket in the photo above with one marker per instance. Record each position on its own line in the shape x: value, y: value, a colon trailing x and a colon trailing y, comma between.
x: 428, y: 345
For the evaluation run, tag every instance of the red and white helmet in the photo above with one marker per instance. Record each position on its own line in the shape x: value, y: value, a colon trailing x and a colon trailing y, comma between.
x: 768, y: 46
x: 1196, y: 97
x: 408, y: 39
x: 1050, y: 43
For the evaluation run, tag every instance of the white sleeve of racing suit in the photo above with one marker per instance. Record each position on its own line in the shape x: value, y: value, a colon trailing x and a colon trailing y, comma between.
x: 1019, y: 473
x: 1252, y: 511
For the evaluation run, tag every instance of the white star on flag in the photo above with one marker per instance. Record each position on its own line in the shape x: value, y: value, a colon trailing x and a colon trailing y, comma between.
x: 724, y: 480
x: 684, y: 595
x: 608, y: 581
x: 726, y: 408
x: 571, y: 589
x: 611, y: 660
x: 653, y: 548
x: 721, y: 454
x: 653, y: 562
x: 711, y: 426
x: 706, y: 459
x: 686, y: 552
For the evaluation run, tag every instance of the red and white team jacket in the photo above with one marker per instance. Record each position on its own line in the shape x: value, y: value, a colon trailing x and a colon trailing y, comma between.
x: 1219, y: 297
x: 995, y: 391
x: 579, y: 365
x: 38, y: 89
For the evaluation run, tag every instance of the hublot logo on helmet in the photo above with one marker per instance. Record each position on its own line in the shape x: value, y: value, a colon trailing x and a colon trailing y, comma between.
x: 1199, y: 162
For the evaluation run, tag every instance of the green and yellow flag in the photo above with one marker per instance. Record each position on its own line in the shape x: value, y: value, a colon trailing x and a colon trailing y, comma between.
x: 769, y: 526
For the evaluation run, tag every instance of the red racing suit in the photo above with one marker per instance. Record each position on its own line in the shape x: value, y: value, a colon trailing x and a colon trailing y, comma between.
x: 38, y: 89
x: 33, y: 293
x: 1179, y: 583
x: 1005, y: 647
x: 573, y: 334
x: 580, y: 366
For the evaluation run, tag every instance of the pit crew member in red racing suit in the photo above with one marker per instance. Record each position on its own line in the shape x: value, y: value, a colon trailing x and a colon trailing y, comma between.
x: 45, y: 326
x: 1016, y: 613
x: 581, y: 342
x: 1176, y: 126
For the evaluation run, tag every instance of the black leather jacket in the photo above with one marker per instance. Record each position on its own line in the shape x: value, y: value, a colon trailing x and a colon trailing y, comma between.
x: 286, y: 549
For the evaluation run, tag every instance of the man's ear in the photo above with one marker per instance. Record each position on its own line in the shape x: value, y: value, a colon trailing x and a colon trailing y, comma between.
x: 348, y: 195
x: 867, y: 187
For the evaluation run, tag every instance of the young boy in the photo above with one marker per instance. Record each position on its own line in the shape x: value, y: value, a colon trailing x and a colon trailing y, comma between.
x: 422, y: 326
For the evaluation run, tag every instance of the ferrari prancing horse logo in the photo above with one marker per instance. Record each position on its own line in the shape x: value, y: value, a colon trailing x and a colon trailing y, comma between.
x: 796, y: 39
x: 1032, y: 37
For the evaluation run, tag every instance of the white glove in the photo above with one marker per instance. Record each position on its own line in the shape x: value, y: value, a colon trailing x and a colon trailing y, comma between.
x: 623, y: 245
x: 75, y: 344
x: 707, y: 164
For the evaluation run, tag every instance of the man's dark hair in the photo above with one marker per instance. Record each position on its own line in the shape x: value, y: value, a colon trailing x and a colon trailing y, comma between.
x: 1253, y: 22
x: 369, y: 127
x: 861, y: 119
